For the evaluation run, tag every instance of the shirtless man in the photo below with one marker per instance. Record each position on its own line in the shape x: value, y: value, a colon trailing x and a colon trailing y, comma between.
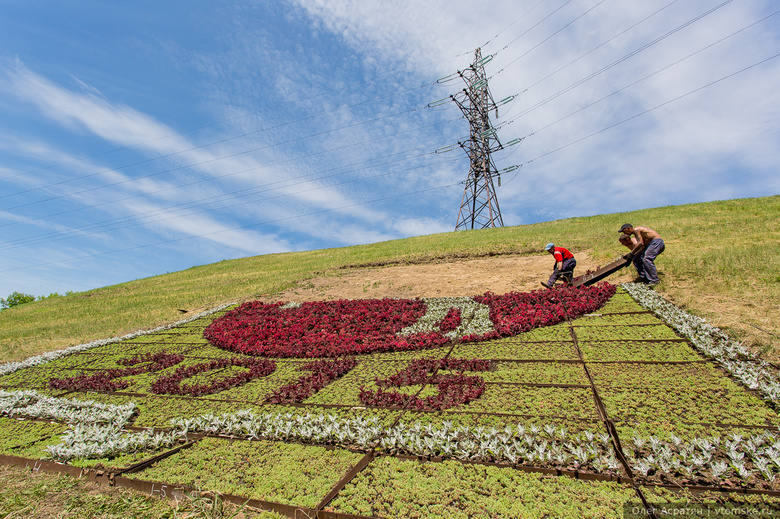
x: 648, y: 246
x: 628, y: 242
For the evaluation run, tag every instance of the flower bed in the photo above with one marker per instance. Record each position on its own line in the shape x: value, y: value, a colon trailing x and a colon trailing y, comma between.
x: 519, y: 349
x: 712, y: 342
x: 730, y: 461
x: 541, y: 445
x: 606, y: 319
x: 518, y: 312
x: 323, y: 372
x: 670, y: 377
x: 537, y: 373
x: 172, y: 384
x: 464, y: 401
x: 663, y: 351
x: 49, y: 356
x: 284, y: 473
x: 626, y: 333
x: 22, y: 436
x: 105, y: 380
x: 659, y: 404
x: 399, y: 488
x: 320, y: 329
x: 549, y: 402
x: 453, y: 390
x: 336, y: 328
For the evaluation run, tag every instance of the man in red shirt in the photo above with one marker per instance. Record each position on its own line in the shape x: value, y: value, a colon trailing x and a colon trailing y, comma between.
x: 567, y: 261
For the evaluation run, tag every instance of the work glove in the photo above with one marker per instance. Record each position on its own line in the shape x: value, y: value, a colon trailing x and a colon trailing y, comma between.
x: 629, y: 256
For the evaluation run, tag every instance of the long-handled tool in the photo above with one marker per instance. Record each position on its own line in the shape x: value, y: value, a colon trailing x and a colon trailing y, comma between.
x: 600, y: 273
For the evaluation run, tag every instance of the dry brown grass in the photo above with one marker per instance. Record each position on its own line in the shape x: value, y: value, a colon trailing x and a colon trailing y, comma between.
x: 719, y: 263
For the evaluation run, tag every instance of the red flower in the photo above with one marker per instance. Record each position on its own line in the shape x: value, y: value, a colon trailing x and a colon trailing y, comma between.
x: 453, y: 390
x: 105, y: 381
x: 323, y: 373
x: 337, y: 328
x: 171, y: 384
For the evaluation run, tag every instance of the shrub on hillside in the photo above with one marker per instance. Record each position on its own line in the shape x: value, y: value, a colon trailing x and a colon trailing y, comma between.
x: 16, y: 299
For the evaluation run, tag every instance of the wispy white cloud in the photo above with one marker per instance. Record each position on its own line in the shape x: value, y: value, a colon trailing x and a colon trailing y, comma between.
x: 125, y: 126
x: 680, y: 145
x: 311, y: 131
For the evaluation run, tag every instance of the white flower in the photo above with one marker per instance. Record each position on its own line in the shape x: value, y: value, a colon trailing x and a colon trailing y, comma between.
x: 712, y: 342
x: 474, y: 317
x: 49, y: 356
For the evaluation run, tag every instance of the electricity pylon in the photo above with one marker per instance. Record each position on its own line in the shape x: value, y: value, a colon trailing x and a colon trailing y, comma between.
x: 479, y: 206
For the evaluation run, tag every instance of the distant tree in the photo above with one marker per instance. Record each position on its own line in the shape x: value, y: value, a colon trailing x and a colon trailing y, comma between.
x: 16, y: 299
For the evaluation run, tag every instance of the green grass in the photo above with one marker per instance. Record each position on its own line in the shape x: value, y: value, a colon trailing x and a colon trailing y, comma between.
x: 42, y: 495
x: 718, y: 263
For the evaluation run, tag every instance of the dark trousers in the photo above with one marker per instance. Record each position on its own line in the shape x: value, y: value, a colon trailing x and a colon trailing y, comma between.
x: 645, y: 261
x: 566, y: 270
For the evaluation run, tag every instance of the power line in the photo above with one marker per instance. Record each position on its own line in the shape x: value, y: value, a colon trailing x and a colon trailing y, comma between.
x: 368, y: 141
x: 551, y: 36
x: 244, y: 116
x: 212, y: 143
x: 243, y: 227
x: 645, y: 112
x: 135, y: 220
x: 652, y: 74
x: 616, y: 62
x: 621, y: 59
x: 567, y: 2
x: 540, y: 2
x: 618, y: 35
x: 202, y: 163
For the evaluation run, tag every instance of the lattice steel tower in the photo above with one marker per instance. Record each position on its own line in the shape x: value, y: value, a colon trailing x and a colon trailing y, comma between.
x: 479, y: 206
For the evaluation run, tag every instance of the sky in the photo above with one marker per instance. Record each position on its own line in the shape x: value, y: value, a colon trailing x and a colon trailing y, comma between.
x: 140, y: 138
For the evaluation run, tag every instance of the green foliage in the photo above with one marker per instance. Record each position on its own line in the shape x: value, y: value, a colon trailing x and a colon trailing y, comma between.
x: 390, y: 487
x: 279, y: 472
x: 16, y: 299
x: 709, y: 251
x: 24, y: 493
x: 28, y: 438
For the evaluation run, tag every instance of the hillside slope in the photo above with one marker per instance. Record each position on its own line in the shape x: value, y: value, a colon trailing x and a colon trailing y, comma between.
x: 717, y: 264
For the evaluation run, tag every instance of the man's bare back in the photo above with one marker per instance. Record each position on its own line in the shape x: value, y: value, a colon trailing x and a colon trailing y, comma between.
x: 647, y: 245
x: 645, y: 235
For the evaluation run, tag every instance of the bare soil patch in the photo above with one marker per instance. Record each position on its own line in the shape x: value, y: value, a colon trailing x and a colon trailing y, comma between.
x: 439, y: 278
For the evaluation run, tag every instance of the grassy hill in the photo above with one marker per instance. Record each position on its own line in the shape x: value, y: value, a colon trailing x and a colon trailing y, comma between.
x: 719, y: 264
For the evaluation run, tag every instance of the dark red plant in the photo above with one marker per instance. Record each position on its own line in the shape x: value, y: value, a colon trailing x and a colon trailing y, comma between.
x: 519, y: 312
x: 323, y: 372
x: 321, y: 328
x: 450, y: 321
x: 105, y: 381
x: 348, y: 327
x: 453, y: 390
x: 172, y: 384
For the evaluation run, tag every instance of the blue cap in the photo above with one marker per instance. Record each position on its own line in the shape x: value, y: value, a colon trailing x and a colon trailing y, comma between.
x: 549, y: 246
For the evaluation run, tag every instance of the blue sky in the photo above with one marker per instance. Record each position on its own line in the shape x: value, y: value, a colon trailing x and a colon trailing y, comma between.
x: 139, y: 138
